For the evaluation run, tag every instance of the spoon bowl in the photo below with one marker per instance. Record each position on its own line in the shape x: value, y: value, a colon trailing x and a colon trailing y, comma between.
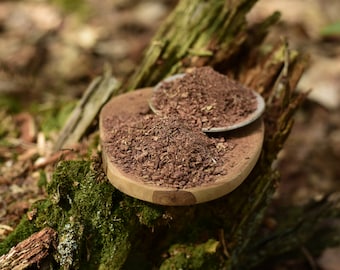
x: 245, y: 121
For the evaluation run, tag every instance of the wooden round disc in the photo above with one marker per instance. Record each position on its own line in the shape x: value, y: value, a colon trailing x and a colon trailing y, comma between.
x: 241, y: 160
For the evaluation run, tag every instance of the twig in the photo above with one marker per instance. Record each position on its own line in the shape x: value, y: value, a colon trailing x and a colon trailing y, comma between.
x: 224, y: 245
x: 309, y: 258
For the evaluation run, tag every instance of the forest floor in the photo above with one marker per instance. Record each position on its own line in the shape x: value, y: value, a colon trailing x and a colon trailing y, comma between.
x: 51, y: 50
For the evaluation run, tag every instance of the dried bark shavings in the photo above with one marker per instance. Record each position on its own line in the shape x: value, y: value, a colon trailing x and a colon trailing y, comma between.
x: 164, y: 151
x: 206, y: 98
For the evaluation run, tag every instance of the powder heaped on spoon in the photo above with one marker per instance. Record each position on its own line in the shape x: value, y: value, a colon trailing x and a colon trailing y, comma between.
x: 205, y: 98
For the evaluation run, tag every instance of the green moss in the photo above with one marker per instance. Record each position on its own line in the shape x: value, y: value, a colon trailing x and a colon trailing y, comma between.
x: 46, y: 215
x: 22, y: 231
x: 148, y: 214
x: 203, y: 256
x: 107, y: 222
x: 95, y: 222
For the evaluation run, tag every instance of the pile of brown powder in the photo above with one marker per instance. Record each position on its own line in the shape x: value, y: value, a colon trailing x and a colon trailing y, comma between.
x: 166, y: 152
x: 205, y: 98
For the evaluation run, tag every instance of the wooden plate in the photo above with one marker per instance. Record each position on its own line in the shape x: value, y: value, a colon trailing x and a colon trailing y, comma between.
x: 242, y: 159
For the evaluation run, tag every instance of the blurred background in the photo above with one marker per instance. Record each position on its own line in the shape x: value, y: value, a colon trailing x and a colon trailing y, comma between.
x: 50, y: 50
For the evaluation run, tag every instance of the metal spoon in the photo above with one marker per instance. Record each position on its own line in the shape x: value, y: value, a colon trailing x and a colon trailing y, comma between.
x: 246, y: 121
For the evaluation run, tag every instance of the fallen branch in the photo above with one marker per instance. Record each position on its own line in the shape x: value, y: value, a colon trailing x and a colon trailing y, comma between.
x: 30, y: 252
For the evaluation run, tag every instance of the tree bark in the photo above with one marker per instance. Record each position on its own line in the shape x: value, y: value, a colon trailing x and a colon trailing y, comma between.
x: 30, y: 252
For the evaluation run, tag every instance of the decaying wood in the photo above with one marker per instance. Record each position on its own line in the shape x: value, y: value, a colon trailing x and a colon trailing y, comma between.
x: 98, y: 92
x: 117, y: 230
x: 296, y: 226
x: 199, y: 33
x: 30, y: 252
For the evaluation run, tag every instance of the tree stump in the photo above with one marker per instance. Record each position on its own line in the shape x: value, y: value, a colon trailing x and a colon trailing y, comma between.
x: 98, y: 227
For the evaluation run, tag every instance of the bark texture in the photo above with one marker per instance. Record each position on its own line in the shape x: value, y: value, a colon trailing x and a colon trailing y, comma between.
x: 30, y: 252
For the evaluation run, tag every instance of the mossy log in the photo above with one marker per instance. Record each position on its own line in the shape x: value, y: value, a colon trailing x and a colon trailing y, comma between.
x: 98, y: 227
